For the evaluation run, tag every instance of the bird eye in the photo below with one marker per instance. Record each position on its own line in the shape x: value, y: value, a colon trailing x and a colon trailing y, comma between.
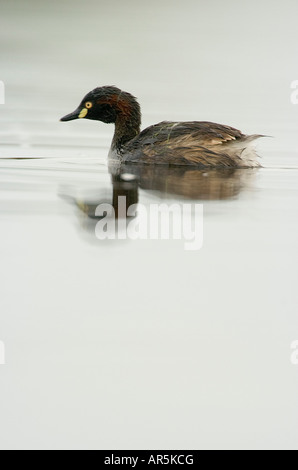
x: 88, y: 105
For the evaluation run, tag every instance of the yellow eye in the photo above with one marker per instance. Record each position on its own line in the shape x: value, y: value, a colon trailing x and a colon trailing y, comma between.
x: 88, y: 104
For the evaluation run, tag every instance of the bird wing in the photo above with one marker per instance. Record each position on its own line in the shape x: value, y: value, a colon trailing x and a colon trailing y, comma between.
x: 203, y: 132
x: 184, y: 142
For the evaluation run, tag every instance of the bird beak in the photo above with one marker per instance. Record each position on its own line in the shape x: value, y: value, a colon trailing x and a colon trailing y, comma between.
x: 77, y: 114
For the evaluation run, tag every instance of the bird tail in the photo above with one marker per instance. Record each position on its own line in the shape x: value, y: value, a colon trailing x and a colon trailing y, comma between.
x: 244, y: 150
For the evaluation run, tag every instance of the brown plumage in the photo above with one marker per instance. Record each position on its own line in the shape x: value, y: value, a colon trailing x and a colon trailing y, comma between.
x: 198, y: 143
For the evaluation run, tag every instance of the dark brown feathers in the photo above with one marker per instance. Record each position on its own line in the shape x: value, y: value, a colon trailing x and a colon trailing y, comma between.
x: 204, y: 144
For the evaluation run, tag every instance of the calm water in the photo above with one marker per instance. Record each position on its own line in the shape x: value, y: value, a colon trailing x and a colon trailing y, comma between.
x: 141, y: 344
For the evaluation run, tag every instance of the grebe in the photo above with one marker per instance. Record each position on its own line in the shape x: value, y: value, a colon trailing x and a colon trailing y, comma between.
x: 198, y: 143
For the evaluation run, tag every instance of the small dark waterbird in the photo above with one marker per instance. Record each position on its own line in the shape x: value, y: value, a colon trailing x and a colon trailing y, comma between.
x: 198, y: 143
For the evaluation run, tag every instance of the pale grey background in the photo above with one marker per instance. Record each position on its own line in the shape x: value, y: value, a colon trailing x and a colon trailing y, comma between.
x: 140, y: 344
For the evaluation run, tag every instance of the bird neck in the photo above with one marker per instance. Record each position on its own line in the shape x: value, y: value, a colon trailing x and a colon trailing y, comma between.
x: 127, y: 126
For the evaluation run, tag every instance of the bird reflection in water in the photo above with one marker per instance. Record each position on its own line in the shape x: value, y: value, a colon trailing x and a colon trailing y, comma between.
x: 190, y: 183
x: 178, y: 184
